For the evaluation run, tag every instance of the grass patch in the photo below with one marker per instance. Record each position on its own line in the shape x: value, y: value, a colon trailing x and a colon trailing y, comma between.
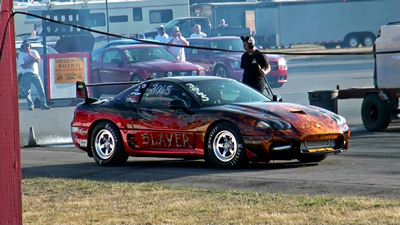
x: 68, y: 201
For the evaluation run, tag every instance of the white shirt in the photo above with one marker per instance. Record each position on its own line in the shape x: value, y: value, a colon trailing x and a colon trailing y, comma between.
x: 200, y: 35
x: 162, y: 38
x: 24, y: 57
x: 178, y: 52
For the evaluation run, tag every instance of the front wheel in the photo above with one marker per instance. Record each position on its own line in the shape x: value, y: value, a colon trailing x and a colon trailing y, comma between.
x: 106, y: 145
x: 221, y: 71
x: 375, y: 113
x: 225, y: 146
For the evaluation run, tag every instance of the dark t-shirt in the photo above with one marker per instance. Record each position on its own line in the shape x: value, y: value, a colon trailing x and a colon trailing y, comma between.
x: 252, y: 65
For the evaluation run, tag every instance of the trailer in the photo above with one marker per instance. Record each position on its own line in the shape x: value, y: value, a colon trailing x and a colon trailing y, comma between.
x: 347, y: 23
x: 380, y: 104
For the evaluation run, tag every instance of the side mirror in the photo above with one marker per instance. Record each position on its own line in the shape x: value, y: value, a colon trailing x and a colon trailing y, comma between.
x: 179, y: 104
x: 277, y: 98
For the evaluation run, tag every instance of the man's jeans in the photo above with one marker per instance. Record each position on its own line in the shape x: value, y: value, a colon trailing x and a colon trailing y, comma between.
x: 31, y: 78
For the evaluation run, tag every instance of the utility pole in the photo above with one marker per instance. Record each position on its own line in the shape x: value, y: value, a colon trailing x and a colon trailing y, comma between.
x: 10, y: 163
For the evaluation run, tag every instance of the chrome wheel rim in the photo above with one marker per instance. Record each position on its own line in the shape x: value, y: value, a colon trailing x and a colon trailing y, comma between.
x: 221, y: 72
x: 104, y: 144
x: 225, y: 146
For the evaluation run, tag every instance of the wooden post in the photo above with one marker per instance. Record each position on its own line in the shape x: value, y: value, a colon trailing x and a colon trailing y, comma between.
x: 10, y: 166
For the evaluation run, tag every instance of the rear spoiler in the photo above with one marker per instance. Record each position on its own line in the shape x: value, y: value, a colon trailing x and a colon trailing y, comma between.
x: 82, y: 92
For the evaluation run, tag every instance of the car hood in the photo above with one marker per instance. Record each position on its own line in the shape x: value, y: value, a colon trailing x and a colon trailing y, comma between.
x: 305, y: 118
x: 165, y: 65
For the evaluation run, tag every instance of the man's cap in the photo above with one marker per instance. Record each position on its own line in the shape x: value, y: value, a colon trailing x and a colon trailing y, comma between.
x: 175, y: 28
x: 26, y: 42
x: 248, y: 39
x: 161, y: 27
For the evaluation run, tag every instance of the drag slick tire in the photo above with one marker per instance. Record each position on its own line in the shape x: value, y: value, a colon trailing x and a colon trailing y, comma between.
x: 225, y: 146
x: 311, y: 158
x: 106, y: 145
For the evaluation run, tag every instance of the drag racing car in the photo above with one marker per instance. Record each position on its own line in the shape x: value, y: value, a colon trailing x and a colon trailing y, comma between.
x: 203, y: 117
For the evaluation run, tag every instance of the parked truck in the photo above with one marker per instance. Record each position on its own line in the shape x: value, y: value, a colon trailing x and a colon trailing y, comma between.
x: 347, y: 23
x: 186, y: 25
x: 380, y: 104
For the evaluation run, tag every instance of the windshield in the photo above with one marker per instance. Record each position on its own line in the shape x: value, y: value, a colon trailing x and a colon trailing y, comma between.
x: 171, y: 24
x: 229, y: 44
x: 135, y: 55
x: 219, y: 92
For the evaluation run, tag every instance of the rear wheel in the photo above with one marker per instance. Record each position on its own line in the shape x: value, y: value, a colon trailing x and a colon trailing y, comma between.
x: 106, y: 145
x: 352, y: 41
x: 225, y: 146
x: 221, y: 71
x: 375, y: 113
x: 368, y: 40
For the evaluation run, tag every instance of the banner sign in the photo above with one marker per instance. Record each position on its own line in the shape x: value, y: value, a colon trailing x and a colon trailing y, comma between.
x: 69, y: 70
x: 64, y: 70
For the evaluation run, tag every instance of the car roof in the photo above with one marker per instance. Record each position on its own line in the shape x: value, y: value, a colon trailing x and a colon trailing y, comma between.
x: 216, y: 38
x: 185, y: 79
x: 136, y: 46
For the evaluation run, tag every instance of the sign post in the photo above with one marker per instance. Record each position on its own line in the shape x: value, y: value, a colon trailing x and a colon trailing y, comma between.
x: 10, y: 165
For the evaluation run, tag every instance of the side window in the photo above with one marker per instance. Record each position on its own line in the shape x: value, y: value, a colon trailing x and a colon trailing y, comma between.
x: 112, y: 56
x: 160, y: 16
x: 118, y: 19
x: 160, y: 94
x: 194, y: 51
x: 137, y: 14
x: 131, y: 96
x: 97, y: 20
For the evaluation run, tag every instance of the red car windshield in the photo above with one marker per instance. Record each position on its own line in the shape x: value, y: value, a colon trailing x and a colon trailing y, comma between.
x: 228, y: 44
x: 135, y: 55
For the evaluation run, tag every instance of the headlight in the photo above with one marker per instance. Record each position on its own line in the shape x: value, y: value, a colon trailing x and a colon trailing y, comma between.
x: 340, y: 120
x: 272, y: 125
x: 169, y: 74
x: 282, y: 64
x: 155, y: 75
x: 235, y: 64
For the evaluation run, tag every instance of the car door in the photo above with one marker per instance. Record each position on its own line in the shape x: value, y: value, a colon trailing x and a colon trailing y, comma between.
x: 199, y: 56
x: 159, y: 128
x: 114, y: 67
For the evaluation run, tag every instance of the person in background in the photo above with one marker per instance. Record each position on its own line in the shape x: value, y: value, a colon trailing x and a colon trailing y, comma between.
x: 254, y: 64
x: 161, y: 36
x: 197, y: 32
x: 28, y: 63
x: 222, y: 24
x: 176, y: 38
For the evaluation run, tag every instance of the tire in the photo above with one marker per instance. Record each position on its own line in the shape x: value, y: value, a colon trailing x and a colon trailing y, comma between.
x: 375, y: 113
x: 221, y: 71
x: 136, y: 77
x: 311, y: 158
x: 352, y: 41
x: 225, y: 146
x: 368, y: 40
x: 106, y: 145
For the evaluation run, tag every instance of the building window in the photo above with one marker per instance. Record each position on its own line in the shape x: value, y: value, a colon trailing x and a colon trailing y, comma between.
x: 117, y: 19
x: 97, y: 20
x: 137, y: 14
x: 160, y: 16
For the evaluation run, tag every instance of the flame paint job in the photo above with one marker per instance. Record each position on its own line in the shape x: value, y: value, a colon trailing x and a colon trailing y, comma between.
x: 149, y: 131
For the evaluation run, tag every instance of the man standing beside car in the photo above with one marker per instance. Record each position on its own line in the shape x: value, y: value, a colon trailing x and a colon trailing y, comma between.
x: 161, y: 36
x: 28, y: 63
x: 254, y: 64
x: 176, y: 38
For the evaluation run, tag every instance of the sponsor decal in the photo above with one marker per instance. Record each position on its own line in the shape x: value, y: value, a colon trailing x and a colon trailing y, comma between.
x: 174, y: 140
